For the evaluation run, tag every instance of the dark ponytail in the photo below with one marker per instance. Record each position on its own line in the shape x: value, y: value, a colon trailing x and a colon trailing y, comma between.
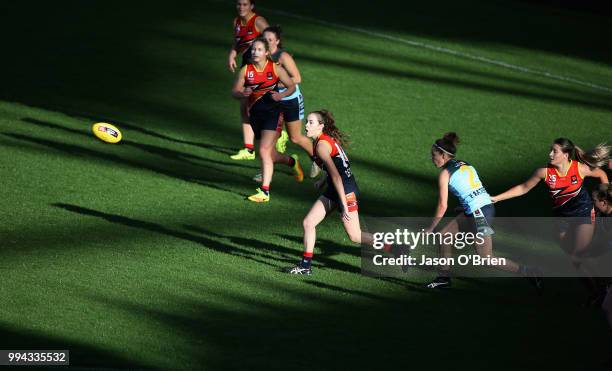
x: 597, y: 157
x: 330, y: 128
x: 447, y: 144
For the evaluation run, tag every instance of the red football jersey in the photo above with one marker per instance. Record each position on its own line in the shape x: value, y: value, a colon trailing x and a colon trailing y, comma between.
x: 338, y: 156
x: 261, y: 82
x: 563, y: 188
x: 245, y: 34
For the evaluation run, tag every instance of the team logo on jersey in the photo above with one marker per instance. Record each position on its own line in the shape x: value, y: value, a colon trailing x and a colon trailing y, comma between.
x: 238, y: 29
x: 270, y: 76
x: 552, y: 179
x: 250, y: 32
x: 574, y: 179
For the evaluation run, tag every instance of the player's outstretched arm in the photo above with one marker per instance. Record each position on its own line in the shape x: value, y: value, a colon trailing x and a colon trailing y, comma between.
x: 522, y: 188
x: 586, y: 171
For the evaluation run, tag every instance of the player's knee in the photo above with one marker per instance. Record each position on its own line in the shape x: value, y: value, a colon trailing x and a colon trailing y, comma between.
x: 309, y: 224
x: 295, y: 139
x: 265, y: 151
x: 355, y: 237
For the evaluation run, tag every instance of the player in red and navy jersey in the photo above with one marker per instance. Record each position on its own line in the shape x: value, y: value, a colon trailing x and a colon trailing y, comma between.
x: 258, y: 82
x: 341, y: 192
x: 293, y: 105
x: 567, y: 167
x: 247, y: 27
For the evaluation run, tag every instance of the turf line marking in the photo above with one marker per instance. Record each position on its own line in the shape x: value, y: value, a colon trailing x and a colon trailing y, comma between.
x: 440, y: 49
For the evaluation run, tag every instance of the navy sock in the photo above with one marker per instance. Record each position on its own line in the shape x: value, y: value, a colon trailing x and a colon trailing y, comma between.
x: 306, y: 260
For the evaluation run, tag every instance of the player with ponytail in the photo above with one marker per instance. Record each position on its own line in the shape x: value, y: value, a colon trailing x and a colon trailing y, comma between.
x: 462, y: 180
x: 564, y: 175
x: 567, y: 167
x: 341, y: 192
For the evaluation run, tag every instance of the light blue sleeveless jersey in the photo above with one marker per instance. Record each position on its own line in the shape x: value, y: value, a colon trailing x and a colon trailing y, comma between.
x: 295, y: 94
x: 466, y: 185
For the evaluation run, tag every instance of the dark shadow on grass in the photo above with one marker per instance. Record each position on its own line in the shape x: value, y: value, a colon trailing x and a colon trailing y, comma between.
x: 81, y: 355
x: 504, y: 24
x: 160, y: 229
x: 533, y: 88
x: 558, y: 88
x: 342, y: 290
x: 324, y: 247
x: 453, y: 82
x: 287, y: 256
x: 240, y: 331
x: 155, y: 150
x: 200, y: 177
x: 248, y: 248
x: 133, y: 127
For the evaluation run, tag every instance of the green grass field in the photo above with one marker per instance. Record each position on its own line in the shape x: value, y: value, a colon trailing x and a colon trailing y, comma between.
x: 146, y: 255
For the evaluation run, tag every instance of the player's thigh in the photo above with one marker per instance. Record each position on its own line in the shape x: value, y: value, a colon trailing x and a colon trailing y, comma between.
x: 268, y: 139
x: 294, y: 128
x: 318, y: 212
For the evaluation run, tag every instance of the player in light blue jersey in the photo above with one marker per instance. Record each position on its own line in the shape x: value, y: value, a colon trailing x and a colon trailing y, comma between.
x: 462, y: 180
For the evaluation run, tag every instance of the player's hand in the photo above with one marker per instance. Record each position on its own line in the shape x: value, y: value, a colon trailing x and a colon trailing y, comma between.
x: 495, y: 199
x: 276, y: 96
x: 231, y: 64
x: 247, y: 91
x: 345, y: 216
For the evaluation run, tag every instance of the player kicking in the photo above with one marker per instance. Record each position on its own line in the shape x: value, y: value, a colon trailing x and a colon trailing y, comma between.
x: 341, y: 192
x: 257, y: 82
x: 462, y: 180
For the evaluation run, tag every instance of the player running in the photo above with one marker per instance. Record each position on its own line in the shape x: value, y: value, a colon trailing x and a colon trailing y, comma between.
x: 567, y: 167
x: 341, y: 192
x: 293, y: 105
x: 247, y: 27
x: 257, y: 82
x: 462, y: 180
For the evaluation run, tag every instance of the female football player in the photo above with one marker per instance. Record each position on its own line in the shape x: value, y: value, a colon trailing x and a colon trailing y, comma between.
x: 257, y: 82
x: 247, y: 27
x: 462, y: 180
x: 293, y: 105
x: 342, y: 191
x: 567, y: 167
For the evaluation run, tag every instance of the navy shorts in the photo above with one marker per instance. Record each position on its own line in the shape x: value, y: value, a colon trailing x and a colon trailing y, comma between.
x: 574, y: 218
x: 480, y: 221
x: 264, y: 116
x: 351, y: 192
x: 293, y: 109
